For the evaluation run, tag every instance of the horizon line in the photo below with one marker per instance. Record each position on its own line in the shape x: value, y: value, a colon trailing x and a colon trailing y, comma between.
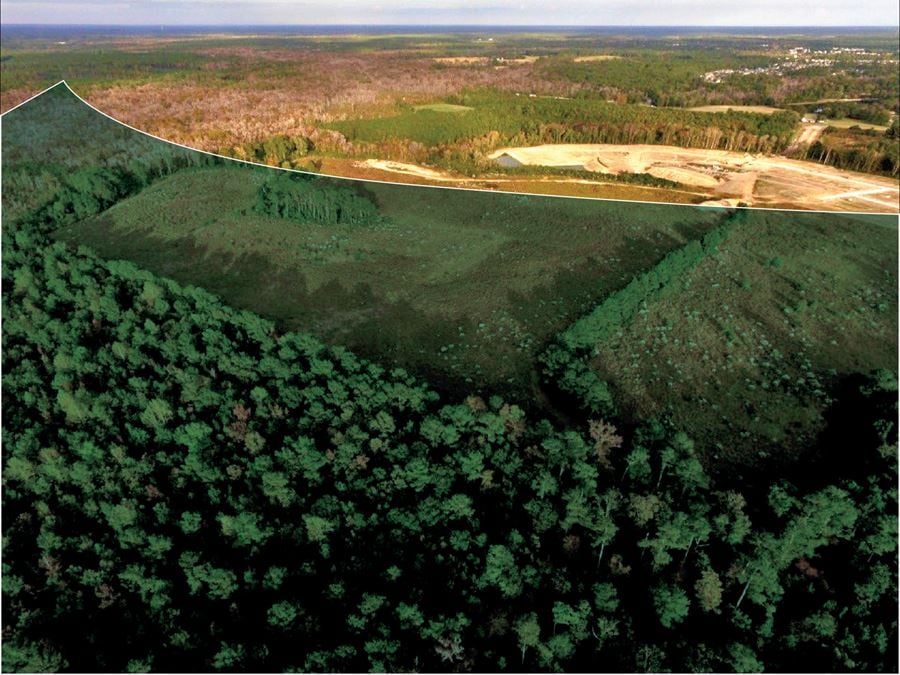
x: 426, y: 25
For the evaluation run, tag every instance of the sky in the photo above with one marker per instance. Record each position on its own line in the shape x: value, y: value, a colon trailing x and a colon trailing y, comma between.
x: 457, y: 12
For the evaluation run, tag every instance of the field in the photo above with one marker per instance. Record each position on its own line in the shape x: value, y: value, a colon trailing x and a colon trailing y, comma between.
x: 744, y: 347
x: 468, y: 288
x: 464, y: 286
x: 847, y: 123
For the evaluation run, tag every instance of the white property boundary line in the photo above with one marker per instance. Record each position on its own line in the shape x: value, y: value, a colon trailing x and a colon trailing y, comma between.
x: 40, y: 93
x: 437, y: 187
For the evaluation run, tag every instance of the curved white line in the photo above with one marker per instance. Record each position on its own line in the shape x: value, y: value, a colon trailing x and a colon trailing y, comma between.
x: 40, y: 93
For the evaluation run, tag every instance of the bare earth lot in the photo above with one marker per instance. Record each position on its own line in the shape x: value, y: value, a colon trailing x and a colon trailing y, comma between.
x: 808, y: 134
x: 388, y: 170
x: 727, y: 178
x: 763, y: 109
x: 737, y: 177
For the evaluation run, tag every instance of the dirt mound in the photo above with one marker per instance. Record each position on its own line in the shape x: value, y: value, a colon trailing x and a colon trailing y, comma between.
x: 594, y: 164
x: 740, y: 185
x: 686, y: 176
x: 410, y: 169
x: 721, y: 202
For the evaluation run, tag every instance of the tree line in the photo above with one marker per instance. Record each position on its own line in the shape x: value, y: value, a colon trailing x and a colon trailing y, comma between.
x: 287, y: 152
x: 859, y: 150
x: 566, y: 360
x: 312, y: 199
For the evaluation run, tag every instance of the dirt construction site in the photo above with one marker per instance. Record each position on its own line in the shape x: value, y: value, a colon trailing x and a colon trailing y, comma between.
x: 713, y: 177
x: 727, y: 177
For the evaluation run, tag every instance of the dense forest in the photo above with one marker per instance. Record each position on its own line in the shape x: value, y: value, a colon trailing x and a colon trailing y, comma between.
x: 188, y: 488
x: 674, y: 77
x: 497, y: 119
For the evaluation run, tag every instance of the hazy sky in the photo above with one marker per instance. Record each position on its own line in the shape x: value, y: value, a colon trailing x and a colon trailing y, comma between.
x: 484, y: 12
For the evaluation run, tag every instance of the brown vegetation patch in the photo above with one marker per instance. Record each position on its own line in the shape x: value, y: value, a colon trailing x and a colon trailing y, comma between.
x: 241, y: 105
x: 596, y: 57
x: 462, y: 60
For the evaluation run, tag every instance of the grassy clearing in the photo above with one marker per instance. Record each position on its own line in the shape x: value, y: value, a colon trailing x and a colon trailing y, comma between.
x: 465, y: 286
x: 746, y: 346
x: 596, y: 57
x: 848, y: 123
x: 427, y: 126
x: 443, y: 107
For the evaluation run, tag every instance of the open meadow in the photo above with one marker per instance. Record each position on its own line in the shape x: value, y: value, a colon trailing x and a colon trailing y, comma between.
x: 463, y: 286
x: 745, y: 346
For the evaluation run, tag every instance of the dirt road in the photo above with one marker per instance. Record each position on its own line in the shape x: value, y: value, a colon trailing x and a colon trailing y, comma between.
x: 806, y: 136
x: 599, y: 188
